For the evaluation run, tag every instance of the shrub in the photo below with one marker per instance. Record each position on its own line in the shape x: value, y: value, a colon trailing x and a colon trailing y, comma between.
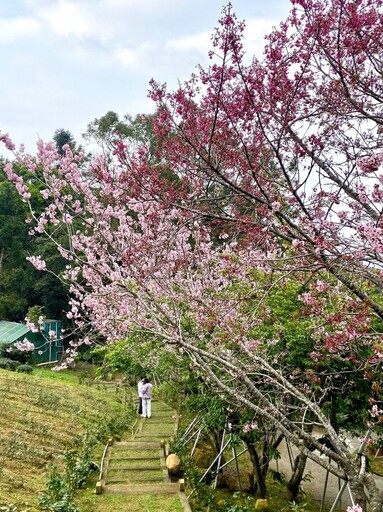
x: 14, y: 365
x: 5, y: 363
x: 15, y: 355
x: 24, y: 368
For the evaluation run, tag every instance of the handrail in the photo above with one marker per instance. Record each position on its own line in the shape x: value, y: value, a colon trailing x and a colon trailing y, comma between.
x: 102, y: 461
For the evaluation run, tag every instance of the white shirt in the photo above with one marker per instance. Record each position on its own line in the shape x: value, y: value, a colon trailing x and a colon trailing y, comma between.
x: 139, y: 387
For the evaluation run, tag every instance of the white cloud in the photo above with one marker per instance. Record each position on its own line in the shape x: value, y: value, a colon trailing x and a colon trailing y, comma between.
x: 135, y: 57
x: 100, y: 20
x: 199, y: 42
x: 255, y: 32
x: 77, y: 59
x: 126, y: 57
x: 12, y: 29
x: 66, y: 18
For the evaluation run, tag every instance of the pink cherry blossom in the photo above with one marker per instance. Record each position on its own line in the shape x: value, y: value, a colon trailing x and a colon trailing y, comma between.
x: 37, y: 262
x: 24, y: 345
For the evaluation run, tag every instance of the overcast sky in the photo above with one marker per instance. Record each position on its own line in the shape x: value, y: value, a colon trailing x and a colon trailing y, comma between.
x: 66, y: 62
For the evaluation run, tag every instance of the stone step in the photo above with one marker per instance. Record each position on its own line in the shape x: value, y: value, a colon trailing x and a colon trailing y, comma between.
x: 153, y: 422
x: 123, y: 473
x: 143, y: 445
x: 139, y: 457
x: 156, y: 430
x: 145, y: 479
x: 159, y: 467
x: 133, y: 452
x: 159, y: 420
x: 142, y: 435
x: 165, y: 488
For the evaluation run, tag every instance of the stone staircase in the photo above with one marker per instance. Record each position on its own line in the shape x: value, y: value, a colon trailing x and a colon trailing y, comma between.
x: 136, y: 465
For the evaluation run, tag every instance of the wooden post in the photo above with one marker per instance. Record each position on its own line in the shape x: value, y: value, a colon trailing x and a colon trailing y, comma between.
x: 100, y: 487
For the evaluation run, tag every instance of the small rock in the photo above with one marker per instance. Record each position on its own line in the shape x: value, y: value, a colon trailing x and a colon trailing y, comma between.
x: 261, y: 505
x: 173, y: 463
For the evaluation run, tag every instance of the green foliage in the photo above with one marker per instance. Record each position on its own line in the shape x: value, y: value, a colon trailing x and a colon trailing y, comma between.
x: 34, y: 314
x: 24, y: 368
x: 5, y: 363
x: 62, y: 137
x: 297, y: 507
x: 62, y: 487
x: 117, y: 359
x: 14, y: 365
x: 287, y: 339
x: 242, y: 504
x: 56, y: 413
x: 277, y: 476
x: 47, y: 398
x: 21, y: 285
x: 15, y: 356
x: 203, y: 495
x: 106, y: 129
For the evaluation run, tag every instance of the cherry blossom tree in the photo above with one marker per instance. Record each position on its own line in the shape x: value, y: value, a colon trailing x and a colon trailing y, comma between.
x: 268, y: 175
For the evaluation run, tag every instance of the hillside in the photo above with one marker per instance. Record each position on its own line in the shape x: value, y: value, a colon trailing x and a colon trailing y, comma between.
x: 43, y: 415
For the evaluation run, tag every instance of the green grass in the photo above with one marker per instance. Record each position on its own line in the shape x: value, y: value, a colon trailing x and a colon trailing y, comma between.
x: 115, y: 503
x: 117, y: 464
x: 63, y: 376
x: 42, y: 415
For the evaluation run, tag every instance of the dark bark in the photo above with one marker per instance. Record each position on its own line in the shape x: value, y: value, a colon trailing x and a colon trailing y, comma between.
x: 260, y: 484
x: 293, y: 485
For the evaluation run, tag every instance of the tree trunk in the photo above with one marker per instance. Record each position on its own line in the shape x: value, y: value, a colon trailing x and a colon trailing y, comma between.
x: 359, y: 494
x: 260, y: 484
x: 375, y: 494
x: 294, y: 483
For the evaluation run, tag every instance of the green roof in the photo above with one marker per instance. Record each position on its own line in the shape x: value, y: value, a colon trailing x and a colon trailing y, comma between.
x: 11, y: 331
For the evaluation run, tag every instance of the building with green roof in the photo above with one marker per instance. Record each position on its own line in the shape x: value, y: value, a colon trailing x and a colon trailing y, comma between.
x: 48, y: 348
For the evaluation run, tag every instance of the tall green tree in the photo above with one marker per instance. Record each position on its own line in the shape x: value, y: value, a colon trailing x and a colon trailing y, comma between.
x: 21, y: 286
x: 62, y: 137
x: 109, y: 130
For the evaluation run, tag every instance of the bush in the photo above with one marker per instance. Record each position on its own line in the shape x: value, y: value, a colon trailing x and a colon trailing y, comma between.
x: 5, y: 363
x: 24, y: 368
x: 21, y: 356
x: 14, y: 364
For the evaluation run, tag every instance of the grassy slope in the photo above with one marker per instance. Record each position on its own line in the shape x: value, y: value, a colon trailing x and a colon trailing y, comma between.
x: 41, y: 414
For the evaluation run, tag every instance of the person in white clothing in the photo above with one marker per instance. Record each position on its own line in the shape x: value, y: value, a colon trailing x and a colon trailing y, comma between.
x: 139, y: 390
x: 146, y: 399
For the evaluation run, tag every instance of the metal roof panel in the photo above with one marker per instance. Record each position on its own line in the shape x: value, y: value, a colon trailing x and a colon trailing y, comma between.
x: 11, y: 331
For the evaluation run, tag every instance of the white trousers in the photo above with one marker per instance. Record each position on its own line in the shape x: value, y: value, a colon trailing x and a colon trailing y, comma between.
x: 146, y: 407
